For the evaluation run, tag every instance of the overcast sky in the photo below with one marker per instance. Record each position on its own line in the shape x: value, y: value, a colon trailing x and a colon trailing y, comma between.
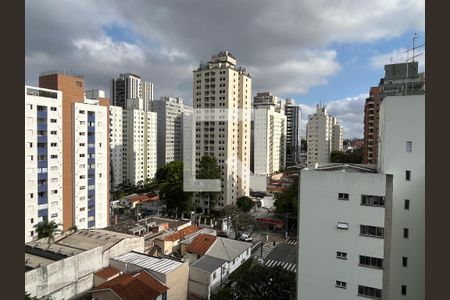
x: 313, y: 51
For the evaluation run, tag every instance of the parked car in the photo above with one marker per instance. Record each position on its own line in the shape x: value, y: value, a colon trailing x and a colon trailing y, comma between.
x: 246, y: 238
x: 222, y: 234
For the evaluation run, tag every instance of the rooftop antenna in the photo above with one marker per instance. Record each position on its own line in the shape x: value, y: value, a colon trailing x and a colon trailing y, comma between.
x: 414, y: 47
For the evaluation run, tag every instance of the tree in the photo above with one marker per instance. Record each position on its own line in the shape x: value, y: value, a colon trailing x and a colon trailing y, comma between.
x: 244, y: 203
x: 47, y: 229
x: 28, y: 297
x: 240, y: 221
x: 209, y: 169
x: 287, y: 201
x: 351, y: 156
x: 171, y: 188
x: 255, y: 281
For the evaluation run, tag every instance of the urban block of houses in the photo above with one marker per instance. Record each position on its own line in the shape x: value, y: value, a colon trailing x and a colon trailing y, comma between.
x: 131, y: 201
x: 131, y: 286
x: 171, y: 273
x: 198, y: 247
x: 221, y: 258
x: 66, y: 267
x: 170, y: 242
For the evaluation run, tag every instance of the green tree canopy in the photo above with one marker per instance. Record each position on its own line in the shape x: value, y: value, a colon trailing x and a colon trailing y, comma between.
x: 171, y: 188
x: 287, y: 201
x: 209, y: 169
x: 353, y: 157
x: 46, y: 229
x: 241, y: 221
x: 244, y: 203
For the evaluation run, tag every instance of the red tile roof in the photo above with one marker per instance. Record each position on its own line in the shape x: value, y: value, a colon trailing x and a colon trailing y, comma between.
x: 201, y: 244
x: 180, y: 234
x: 134, y: 286
x: 107, y: 272
x: 143, y: 198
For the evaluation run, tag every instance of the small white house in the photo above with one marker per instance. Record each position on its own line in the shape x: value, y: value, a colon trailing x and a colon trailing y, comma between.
x: 205, y: 275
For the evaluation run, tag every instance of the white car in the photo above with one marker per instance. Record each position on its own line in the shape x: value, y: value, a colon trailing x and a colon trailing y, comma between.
x: 244, y: 237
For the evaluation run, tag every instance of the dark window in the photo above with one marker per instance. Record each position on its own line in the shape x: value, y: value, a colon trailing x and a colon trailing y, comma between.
x: 372, y: 262
x: 408, y: 175
x: 341, y: 284
x: 404, y: 261
x: 405, y: 233
x: 370, y: 200
x: 404, y: 290
x: 371, y: 231
x: 341, y: 255
x: 406, y: 204
x: 369, y: 291
x: 343, y: 196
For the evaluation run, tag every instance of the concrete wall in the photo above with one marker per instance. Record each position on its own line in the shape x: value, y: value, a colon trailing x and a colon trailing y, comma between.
x: 130, y: 244
x: 177, y: 282
x: 320, y: 239
x: 231, y: 266
x: 66, y: 277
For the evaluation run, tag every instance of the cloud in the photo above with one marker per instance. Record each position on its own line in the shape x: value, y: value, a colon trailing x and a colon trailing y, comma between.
x: 378, y: 61
x: 349, y: 112
x: 287, y: 46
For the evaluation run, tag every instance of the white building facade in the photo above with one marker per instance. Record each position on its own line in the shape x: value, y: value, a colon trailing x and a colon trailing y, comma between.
x: 116, y: 144
x: 131, y: 86
x: 43, y: 158
x: 320, y: 131
x: 342, y: 232
x: 293, y: 114
x: 221, y: 85
x: 170, y: 112
x: 268, y: 140
x: 91, y: 164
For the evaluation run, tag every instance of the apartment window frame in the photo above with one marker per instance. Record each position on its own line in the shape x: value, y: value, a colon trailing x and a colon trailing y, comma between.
x: 408, y: 175
x: 407, y: 203
x: 404, y: 290
x: 408, y: 146
x: 370, y: 262
x: 404, y: 261
x: 343, y: 196
x: 406, y: 233
x: 365, y: 230
x: 369, y: 292
x: 341, y: 284
x: 372, y: 200
x: 341, y: 255
x: 342, y: 225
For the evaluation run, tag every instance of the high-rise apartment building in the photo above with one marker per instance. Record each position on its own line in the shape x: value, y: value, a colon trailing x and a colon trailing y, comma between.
x: 221, y: 85
x: 131, y: 86
x: 170, y: 112
x: 365, y: 235
x: 371, y: 116
x: 43, y: 158
x: 268, y: 139
x: 69, y: 173
x: 139, y: 138
x: 294, y: 124
x: 324, y: 135
x: 116, y: 145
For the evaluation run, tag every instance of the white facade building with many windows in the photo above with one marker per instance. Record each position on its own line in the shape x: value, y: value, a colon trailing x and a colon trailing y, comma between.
x: 220, y: 84
x: 116, y: 144
x: 43, y: 158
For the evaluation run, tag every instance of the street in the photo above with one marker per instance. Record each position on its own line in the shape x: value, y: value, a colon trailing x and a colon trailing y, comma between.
x: 283, y: 254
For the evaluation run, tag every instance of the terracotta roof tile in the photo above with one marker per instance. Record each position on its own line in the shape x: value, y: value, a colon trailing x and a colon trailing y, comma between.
x: 180, y: 234
x: 134, y: 286
x: 107, y: 272
x: 201, y: 244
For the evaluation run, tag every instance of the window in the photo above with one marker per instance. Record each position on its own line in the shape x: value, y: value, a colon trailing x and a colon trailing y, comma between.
x: 343, y: 196
x: 214, y: 275
x: 341, y: 255
x: 30, y: 145
x: 53, y: 156
x: 404, y: 290
x: 404, y: 261
x: 53, y: 108
x: 342, y: 225
x: 406, y: 204
x: 341, y: 284
x: 408, y: 146
x: 371, y: 231
x: 408, y: 175
x: 372, y: 262
x: 52, y: 120
x: 405, y: 233
x: 369, y: 200
x: 53, y: 132
x: 369, y: 291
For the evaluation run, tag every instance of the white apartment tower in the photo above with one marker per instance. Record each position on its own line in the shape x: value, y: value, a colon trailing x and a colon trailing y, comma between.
x: 324, y: 134
x: 139, y: 142
x: 116, y: 144
x: 170, y: 112
x: 222, y: 86
x: 363, y: 229
x: 91, y: 163
x: 43, y: 158
x: 269, y: 127
x: 131, y: 86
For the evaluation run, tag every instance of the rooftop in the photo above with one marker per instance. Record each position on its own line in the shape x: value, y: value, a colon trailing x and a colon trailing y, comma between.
x: 180, y: 234
x: 107, y: 272
x: 208, y: 263
x: 201, y: 244
x: 134, y: 286
x: 361, y: 168
x: 157, y: 264
x: 227, y: 249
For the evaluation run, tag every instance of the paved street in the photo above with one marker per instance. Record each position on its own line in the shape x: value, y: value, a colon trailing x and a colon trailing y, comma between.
x: 283, y: 254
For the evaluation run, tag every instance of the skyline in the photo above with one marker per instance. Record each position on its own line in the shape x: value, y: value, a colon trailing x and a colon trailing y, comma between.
x: 318, y: 52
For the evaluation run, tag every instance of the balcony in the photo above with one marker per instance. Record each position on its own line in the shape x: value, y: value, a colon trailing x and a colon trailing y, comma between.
x: 91, y: 150
x: 42, y: 213
x: 91, y: 181
x: 42, y: 126
x: 42, y: 200
x: 91, y: 213
x: 91, y: 202
x: 91, y: 161
x: 42, y: 187
x: 42, y: 176
x: 42, y: 164
x: 42, y: 139
x: 91, y: 224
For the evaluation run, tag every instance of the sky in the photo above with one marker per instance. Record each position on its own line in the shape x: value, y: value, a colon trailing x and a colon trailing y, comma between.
x: 316, y: 51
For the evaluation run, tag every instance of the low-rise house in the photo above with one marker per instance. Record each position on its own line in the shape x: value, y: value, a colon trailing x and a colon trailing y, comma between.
x: 233, y: 251
x: 105, y: 274
x: 198, y: 247
x: 66, y: 267
x: 133, y: 286
x: 190, y: 238
x: 131, y: 201
x: 173, y: 274
x: 170, y: 242
x: 205, y: 275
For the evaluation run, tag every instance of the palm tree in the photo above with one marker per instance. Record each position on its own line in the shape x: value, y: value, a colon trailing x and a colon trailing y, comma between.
x: 46, y: 229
